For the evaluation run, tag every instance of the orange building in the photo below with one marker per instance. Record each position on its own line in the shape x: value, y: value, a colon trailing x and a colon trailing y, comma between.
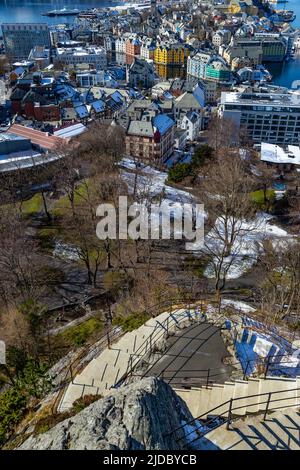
x: 132, y: 50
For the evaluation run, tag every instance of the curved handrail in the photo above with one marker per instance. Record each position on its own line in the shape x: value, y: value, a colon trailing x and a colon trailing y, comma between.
x: 230, y: 411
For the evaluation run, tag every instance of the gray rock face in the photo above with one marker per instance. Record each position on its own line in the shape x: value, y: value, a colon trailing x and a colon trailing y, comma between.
x: 135, y: 417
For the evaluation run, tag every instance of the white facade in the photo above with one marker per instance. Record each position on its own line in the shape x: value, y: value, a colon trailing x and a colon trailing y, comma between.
x: 88, y: 79
x: 192, y: 123
x: 120, y: 45
x: 82, y: 55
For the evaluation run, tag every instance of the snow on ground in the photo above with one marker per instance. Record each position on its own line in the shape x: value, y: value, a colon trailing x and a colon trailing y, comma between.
x: 241, y: 306
x: 64, y: 250
x: 247, y: 246
x: 151, y: 183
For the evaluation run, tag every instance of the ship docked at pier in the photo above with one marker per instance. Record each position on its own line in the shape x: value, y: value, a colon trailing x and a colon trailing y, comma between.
x: 62, y: 12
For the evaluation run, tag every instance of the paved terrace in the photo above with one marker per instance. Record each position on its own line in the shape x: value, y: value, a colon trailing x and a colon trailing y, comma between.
x: 190, y: 354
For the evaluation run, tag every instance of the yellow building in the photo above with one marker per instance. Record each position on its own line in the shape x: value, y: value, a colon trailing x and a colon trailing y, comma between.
x: 170, y: 61
x: 238, y: 6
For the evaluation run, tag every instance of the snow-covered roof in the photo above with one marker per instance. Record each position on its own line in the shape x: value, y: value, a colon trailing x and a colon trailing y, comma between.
x: 70, y: 131
x: 275, y: 154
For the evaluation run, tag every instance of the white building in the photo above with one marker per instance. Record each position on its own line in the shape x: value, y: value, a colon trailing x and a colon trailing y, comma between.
x: 192, y: 123
x: 221, y: 37
x: 147, y: 50
x: 92, y: 55
x: 90, y: 78
x: 268, y: 116
x: 282, y: 157
x: 120, y: 44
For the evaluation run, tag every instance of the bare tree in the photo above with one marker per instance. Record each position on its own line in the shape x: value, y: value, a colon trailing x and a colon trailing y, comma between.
x: 265, y: 177
x: 225, y: 192
x: 222, y: 133
x: 280, y: 289
x: 20, y: 268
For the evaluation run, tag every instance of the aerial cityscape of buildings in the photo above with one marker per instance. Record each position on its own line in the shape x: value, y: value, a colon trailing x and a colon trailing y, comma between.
x: 96, y: 66
x: 175, y: 101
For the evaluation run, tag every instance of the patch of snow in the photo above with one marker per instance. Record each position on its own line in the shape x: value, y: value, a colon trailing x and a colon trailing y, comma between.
x: 262, y: 346
x: 193, y: 430
x: 247, y: 245
x: 241, y: 306
x: 64, y: 250
x: 150, y: 184
x: 279, y: 194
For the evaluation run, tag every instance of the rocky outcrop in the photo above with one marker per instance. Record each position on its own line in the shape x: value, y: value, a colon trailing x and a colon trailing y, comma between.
x: 139, y: 416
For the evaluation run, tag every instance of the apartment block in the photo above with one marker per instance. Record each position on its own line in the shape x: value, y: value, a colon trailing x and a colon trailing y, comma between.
x: 268, y: 117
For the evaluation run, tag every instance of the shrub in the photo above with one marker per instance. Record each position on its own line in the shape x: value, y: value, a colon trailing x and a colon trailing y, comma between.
x: 31, y: 381
x: 79, y: 334
x: 132, y: 321
x: 13, y: 404
x: 49, y: 421
x: 179, y: 171
x: 201, y: 155
x: 84, y: 401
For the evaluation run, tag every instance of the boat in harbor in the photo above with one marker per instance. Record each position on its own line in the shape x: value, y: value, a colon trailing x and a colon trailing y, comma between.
x: 62, y: 12
x: 282, y: 16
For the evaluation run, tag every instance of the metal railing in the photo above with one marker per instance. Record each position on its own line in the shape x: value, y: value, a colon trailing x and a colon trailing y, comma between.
x: 105, y: 340
x: 139, y: 357
x: 207, y: 377
x: 74, y: 367
x: 212, y: 419
x: 160, y: 330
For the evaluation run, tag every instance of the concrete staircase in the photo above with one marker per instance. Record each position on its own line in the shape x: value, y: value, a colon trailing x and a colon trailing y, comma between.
x: 104, y: 371
x: 202, y: 400
x: 280, y: 431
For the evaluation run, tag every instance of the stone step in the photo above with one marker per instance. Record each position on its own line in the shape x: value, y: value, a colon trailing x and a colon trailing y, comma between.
x: 240, y: 391
x: 227, y: 440
x: 282, y: 397
x: 191, y: 399
x: 281, y: 430
x: 253, y: 389
x: 248, y: 437
x: 201, y: 406
x: 287, y: 428
x: 72, y: 393
x: 227, y: 393
x: 271, y: 434
x: 211, y: 396
x: 215, y: 399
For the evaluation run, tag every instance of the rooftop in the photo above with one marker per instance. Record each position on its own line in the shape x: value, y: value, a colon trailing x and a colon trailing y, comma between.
x: 39, y: 138
x: 272, y: 153
x: 286, y: 99
x: 163, y: 123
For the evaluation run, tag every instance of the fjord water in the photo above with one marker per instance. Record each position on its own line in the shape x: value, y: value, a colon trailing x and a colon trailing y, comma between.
x: 31, y: 11
x: 27, y: 11
x: 284, y: 74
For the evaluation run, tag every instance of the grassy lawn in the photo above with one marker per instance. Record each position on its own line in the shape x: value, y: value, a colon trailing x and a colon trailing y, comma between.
x: 258, y: 198
x: 32, y: 206
x: 79, y: 334
x: 63, y: 205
